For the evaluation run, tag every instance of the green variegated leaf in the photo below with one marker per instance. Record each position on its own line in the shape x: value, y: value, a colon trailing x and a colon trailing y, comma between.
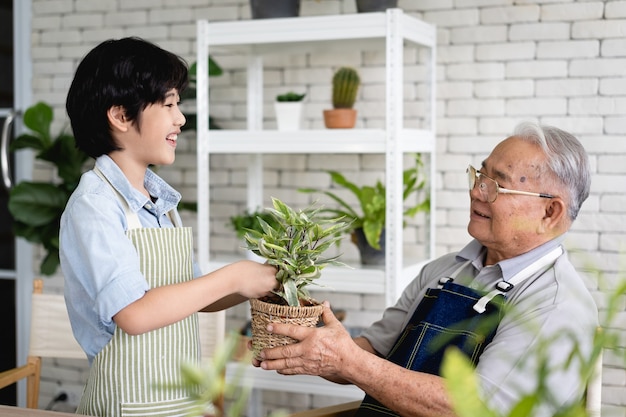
x: 462, y: 385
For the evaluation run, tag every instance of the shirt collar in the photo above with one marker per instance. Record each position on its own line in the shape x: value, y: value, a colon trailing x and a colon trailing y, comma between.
x: 168, y: 197
x: 475, y: 251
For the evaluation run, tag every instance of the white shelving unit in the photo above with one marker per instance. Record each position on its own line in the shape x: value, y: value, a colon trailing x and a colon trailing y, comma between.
x: 390, y: 31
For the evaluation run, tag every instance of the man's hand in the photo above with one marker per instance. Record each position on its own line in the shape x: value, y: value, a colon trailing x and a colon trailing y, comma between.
x: 322, y: 351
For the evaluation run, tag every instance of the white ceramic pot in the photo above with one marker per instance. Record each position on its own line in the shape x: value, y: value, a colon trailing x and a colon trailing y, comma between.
x: 288, y: 114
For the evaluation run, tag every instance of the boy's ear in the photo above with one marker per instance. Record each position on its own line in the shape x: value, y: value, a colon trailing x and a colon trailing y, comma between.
x: 117, y: 118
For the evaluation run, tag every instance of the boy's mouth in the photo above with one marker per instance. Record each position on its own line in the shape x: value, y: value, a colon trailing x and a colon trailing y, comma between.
x: 172, y: 138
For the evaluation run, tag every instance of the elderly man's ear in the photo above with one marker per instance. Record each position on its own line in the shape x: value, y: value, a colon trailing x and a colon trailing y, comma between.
x: 555, y: 216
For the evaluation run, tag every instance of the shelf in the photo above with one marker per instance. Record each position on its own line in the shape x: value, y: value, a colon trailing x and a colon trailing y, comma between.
x: 302, y: 384
x: 317, y: 141
x: 276, y: 36
x: 389, y: 32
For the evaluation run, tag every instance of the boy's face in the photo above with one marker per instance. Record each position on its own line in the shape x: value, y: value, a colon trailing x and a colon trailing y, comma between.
x: 157, y: 133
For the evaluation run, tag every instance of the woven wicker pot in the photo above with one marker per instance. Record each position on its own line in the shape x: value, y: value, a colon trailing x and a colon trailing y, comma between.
x: 264, y: 313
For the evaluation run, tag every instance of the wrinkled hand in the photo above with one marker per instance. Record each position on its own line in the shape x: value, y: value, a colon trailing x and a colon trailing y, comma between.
x: 321, y: 351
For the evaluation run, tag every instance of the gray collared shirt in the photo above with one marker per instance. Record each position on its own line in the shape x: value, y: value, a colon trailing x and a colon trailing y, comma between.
x: 553, y: 305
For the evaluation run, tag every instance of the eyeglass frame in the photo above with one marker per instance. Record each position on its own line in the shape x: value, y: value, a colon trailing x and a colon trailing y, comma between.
x: 473, y: 180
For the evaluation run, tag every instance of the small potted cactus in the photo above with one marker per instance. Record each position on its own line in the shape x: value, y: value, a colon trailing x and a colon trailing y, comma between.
x: 345, y: 86
x: 288, y: 109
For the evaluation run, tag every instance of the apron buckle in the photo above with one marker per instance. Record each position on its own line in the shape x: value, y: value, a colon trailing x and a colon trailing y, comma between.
x: 504, y: 286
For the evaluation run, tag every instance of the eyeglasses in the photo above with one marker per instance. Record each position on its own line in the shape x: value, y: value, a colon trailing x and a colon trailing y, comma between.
x: 489, y: 187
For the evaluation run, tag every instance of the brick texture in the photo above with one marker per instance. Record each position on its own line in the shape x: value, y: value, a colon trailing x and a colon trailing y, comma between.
x: 500, y: 62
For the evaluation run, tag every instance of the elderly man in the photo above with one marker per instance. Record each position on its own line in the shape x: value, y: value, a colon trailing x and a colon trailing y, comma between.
x: 501, y: 299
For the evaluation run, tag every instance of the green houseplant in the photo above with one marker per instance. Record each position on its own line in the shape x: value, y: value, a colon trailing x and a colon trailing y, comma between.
x: 247, y: 220
x: 190, y: 93
x: 295, y: 245
x: 346, y: 83
x: 370, y: 221
x: 288, y: 108
x: 36, y: 207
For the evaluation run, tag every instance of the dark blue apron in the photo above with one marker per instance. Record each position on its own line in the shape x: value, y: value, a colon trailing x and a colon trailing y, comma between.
x: 450, y: 315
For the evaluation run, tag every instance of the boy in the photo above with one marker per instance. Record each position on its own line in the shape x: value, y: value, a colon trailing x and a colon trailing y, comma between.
x: 128, y: 267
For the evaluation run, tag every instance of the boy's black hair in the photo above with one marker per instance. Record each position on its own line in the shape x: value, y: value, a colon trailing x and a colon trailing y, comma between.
x: 129, y: 72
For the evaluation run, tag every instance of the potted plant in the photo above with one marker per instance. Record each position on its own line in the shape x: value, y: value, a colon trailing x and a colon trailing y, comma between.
x: 288, y: 109
x: 241, y: 223
x: 267, y: 9
x: 295, y: 246
x: 346, y: 83
x: 36, y: 207
x: 366, y: 6
x: 367, y: 227
x: 190, y: 93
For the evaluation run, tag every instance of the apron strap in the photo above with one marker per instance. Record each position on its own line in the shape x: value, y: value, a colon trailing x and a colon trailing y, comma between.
x: 444, y: 280
x: 131, y: 217
x: 502, y: 287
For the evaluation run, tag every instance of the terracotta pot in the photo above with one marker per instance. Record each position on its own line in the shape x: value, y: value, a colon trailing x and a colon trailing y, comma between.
x: 340, y: 118
x: 264, y: 313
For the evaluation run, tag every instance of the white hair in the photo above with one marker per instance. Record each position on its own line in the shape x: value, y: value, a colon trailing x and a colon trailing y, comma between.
x: 567, y: 160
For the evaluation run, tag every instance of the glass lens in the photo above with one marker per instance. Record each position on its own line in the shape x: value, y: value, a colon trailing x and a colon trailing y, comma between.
x: 488, y: 187
x: 471, y: 177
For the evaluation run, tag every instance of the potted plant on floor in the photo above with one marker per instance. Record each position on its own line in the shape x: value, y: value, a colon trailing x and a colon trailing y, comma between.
x: 295, y: 246
x: 346, y: 83
x: 367, y: 227
x: 288, y: 109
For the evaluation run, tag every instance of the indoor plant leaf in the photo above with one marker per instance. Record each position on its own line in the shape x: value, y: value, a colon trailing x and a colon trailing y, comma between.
x: 36, y: 204
x: 462, y: 384
x: 38, y: 118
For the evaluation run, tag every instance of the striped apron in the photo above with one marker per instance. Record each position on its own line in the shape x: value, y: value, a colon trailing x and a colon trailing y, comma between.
x: 133, y: 375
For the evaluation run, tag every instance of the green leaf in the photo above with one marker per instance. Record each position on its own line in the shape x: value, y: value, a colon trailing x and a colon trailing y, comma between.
x: 36, y: 204
x: 291, y: 293
x: 38, y: 119
x: 50, y: 263
x: 27, y: 141
x: 462, y: 384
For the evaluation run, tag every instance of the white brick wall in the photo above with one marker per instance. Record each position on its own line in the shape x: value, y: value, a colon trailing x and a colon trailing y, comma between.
x: 559, y: 62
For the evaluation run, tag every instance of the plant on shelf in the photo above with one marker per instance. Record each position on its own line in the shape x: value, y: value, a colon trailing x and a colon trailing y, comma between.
x: 288, y: 109
x: 295, y: 245
x: 36, y: 207
x: 290, y: 97
x: 346, y: 83
x: 242, y: 223
x: 270, y: 9
x: 190, y: 93
x: 367, y: 227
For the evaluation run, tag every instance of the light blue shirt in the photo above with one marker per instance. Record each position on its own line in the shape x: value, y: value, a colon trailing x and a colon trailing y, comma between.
x: 99, y: 262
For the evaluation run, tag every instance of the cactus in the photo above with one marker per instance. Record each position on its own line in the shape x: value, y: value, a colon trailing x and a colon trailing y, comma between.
x: 345, y: 85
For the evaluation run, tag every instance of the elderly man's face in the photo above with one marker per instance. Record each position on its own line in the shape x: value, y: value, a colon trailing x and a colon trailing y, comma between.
x: 512, y: 224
